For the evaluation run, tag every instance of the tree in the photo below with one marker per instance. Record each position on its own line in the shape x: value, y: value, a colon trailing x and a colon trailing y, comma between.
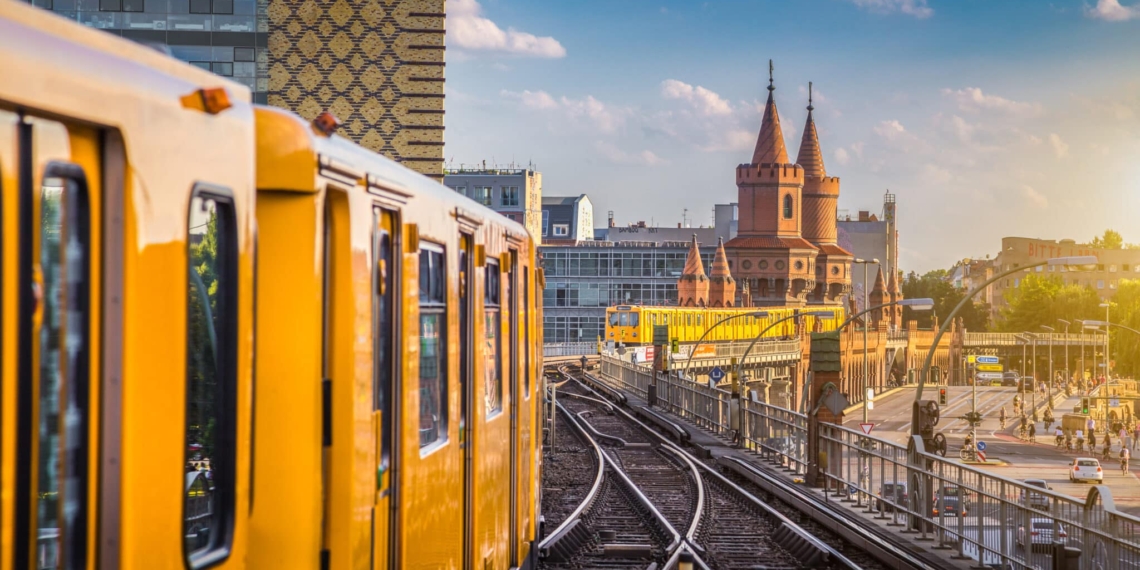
x: 1111, y: 240
x: 936, y: 286
x: 1039, y: 300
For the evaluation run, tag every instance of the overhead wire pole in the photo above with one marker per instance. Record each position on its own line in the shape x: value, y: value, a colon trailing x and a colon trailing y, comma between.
x: 1068, y: 373
x: 866, y: 302
x: 756, y: 314
x: 1067, y: 261
x: 1051, y: 379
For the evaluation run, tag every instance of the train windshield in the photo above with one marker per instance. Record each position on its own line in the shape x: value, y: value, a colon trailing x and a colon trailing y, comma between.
x: 614, y: 319
x: 634, y: 319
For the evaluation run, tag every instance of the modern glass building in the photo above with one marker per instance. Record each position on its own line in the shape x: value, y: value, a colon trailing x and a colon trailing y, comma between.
x: 227, y: 37
x: 582, y: 280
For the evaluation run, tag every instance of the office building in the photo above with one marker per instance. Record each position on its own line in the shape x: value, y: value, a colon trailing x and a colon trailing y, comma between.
x: 567, y: 220
x: 514, y: 192
x: 870, y: 236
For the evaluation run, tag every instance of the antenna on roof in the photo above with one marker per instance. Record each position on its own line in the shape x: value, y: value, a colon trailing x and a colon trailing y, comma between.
x: 771, y: 86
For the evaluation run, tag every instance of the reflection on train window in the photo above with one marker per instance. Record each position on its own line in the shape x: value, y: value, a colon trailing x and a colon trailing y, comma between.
x: 614, y: 319
x: 433, y: 346
x: 210, y: 377
x: 62, y: 466
x: 634, y: 319
x: 492, y: 326
x: 526, y: 333
x: 383, y: 352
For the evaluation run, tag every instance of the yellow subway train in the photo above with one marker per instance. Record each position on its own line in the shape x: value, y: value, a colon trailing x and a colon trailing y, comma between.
x: 232, y: 339
x: 633, y: 324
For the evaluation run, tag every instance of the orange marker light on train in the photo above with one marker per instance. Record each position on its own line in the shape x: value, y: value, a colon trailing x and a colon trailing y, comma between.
x: 326, y: 123
x: 212, y: 100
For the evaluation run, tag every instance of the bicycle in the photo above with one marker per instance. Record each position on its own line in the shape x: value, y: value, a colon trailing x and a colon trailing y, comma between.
x: 1002, y: 423
x: 1124, y: 466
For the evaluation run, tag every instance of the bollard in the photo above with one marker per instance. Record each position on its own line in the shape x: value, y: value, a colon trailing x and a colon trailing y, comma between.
x: 1066, y: 557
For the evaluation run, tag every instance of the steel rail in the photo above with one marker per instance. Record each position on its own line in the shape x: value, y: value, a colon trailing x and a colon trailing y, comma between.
x: 588, y: 501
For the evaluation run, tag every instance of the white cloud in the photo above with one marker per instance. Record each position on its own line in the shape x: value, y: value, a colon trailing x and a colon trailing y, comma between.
x: 1060, y: 148
x: 916, y: 8
x: 841, y: 156
x: 1033, y: 196
x: 467, y: 29
x: 601, y: 117
x: 1112, y: 11
x: 973, y: 100
x: 618, y: 156
x: 933, y: 174
x: 857, y: 148
x: 731, y: 140
x: 532, y: 99
x: 705, y: 102
x: 962, y: 129
x: 816, y: 94
x: 891, y: 130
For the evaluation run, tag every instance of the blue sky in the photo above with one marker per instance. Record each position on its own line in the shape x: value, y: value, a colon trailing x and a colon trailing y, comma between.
x: 987, y: 118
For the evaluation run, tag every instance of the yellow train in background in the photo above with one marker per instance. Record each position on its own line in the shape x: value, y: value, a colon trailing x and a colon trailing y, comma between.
x: 633, y: 325
x: 231, y: 339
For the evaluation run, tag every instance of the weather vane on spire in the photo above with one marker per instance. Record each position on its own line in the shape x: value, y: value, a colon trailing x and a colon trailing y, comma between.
x: 771, y: 87
x: 810, y: 108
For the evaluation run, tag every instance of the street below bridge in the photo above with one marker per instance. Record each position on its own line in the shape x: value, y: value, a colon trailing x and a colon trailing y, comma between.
x: 1018, y: 459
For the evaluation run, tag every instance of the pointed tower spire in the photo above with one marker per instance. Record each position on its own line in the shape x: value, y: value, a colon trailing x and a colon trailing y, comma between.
x: 770, y: 144
x: 810, y: 158
x: 722, y: 287
x: 693, y: 286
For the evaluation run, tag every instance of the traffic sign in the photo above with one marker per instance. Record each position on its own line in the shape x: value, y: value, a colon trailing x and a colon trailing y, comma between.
x: 989, y: 376
x: 851, y: 490
x: 1114, y: 402
x: 981, y: 446
x: 990, y: 368
x: 866, y: 428
x: 716, y: 374
x: 987, y: 360
x: 981, y: 456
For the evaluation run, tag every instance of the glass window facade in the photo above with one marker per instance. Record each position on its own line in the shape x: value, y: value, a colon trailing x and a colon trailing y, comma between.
x: 228, y: 37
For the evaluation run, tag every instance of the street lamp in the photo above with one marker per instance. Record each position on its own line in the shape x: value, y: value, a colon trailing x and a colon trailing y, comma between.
x: 740, y: 364
x: 1107, y: 355
x: 866, y: 303
x: 1051, y: 331
x: 1068, y: 373
x: 1075, y: 263
x: 1029, y: 337
x: 921, y: 304
x: 755, y: 314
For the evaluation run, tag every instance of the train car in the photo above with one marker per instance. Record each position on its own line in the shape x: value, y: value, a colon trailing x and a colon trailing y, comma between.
x: 232, y: 339
x: 633, y: 325
x: 390, y: 277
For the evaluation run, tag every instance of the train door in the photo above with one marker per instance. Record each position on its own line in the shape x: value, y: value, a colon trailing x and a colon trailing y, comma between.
x: 385, y: 328
x: 509, y: 291
x: 466, y: 393
x: 56, y: 223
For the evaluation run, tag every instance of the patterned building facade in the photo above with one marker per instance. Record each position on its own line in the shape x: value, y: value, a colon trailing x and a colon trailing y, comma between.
x: 377, y: 65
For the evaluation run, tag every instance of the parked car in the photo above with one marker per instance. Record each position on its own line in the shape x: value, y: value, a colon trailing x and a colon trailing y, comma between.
x: 1026, y: 384
x: 1009, y: 379
x: 895, y: 493
x: 1036, y: 500
x: 1040, y: 533
x: 952, y: 505
x: 1086, y: 469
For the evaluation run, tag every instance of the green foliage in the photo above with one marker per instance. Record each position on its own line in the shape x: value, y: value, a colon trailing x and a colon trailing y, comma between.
x: 1111, y: 240
x: 202, y: 367
x: 1040, y: 300
x: 935, y: 285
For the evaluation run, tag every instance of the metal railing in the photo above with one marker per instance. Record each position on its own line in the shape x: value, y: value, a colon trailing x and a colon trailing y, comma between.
x: 569, y: 348
x: 994, y: 520
x: 1011, y: 339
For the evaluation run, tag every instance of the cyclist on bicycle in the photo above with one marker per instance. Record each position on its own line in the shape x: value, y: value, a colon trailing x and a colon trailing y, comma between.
x: 969, y: 441
x: 1001, y: 417
x: 1125, y: 455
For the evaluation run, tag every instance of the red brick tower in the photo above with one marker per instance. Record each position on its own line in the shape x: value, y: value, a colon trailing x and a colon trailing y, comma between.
x: 821, y: 202
x: 693, y: 286
x: 879, y: 296
x: 896, y: 296
x: 769, y: 253
x: 722, y: 287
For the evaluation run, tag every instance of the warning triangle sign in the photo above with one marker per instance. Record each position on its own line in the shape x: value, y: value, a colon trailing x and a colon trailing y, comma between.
x: 866, y: 428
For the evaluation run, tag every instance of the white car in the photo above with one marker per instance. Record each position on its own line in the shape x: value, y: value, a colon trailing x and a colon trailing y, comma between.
x: 1086, y: 469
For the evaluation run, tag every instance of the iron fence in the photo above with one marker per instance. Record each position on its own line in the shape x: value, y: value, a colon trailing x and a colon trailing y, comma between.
x: 569, y: 348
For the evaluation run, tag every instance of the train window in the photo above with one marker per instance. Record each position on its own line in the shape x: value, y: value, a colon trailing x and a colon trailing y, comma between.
x: 383, y: 353
x: 614, y: 319
x: 211, y: 378
x: 433, y: 346
x: 634, y: 319
x: 492, y: 326
x: 63, y: 374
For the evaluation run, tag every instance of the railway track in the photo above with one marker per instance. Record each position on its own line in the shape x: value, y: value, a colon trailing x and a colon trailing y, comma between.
x: 722, y: 525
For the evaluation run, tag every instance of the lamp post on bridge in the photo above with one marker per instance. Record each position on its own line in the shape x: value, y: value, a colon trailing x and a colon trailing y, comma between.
x: 1076, y: 263
x: 921, y: 304
x: 866, y: 302
x: 1051, y: 380
x: 755, y: 314
x: 1107, y: 354
x: 740, y: 363
x: 1068, y: 373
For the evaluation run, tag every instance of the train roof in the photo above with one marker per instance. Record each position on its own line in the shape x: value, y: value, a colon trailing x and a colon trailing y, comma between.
x: 291, y: 152
x: 50, y: 55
